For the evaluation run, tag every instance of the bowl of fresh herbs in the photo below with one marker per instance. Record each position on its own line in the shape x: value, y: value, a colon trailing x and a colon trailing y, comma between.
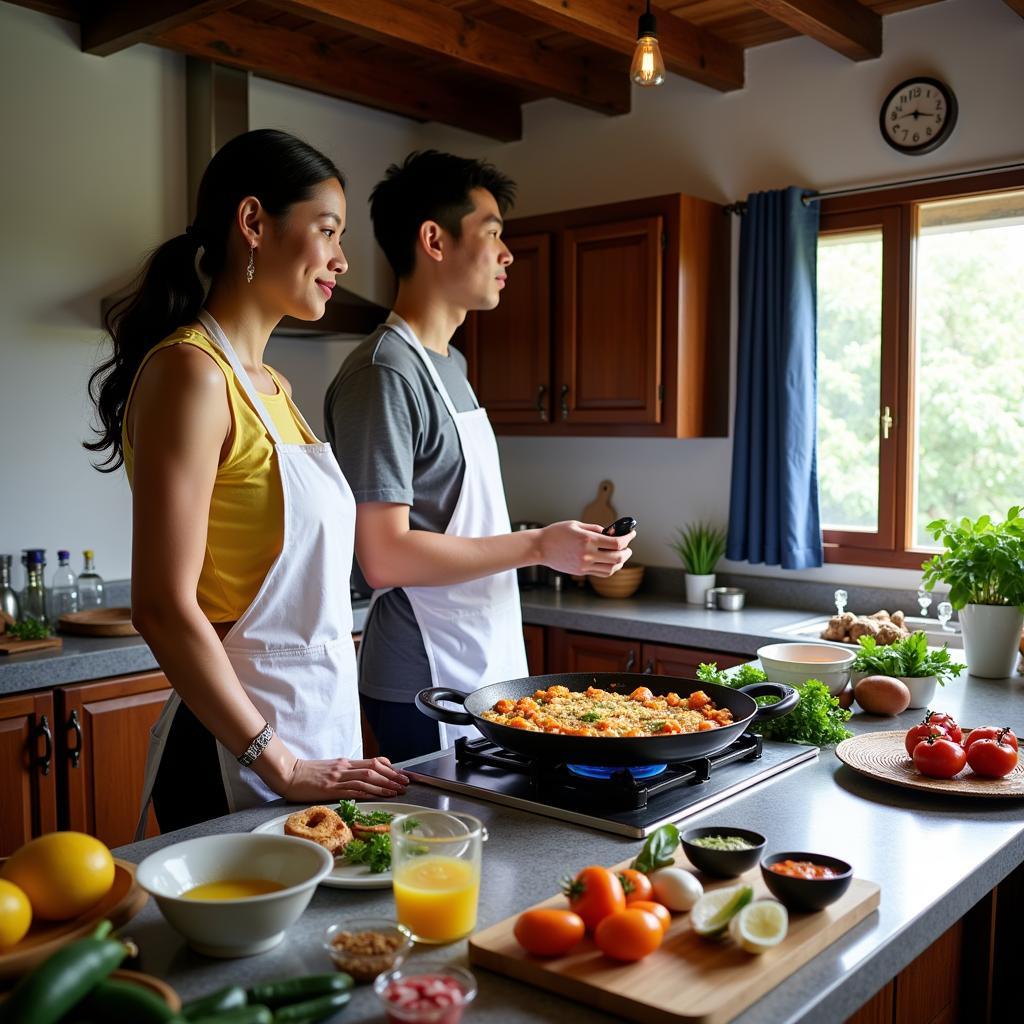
x: 911, y: 661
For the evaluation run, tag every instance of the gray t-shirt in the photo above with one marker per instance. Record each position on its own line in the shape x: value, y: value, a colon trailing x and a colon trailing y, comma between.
x: 396, y: 442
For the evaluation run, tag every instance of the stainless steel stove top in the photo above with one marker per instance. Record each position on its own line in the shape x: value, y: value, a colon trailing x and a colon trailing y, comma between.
x: 619, y: 804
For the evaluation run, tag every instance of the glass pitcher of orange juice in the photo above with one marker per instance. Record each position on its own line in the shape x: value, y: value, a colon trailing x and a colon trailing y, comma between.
x: 435, y: 864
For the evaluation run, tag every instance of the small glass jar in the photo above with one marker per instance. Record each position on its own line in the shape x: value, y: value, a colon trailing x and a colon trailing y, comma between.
x: 366, y: 946
x: 425, y: 992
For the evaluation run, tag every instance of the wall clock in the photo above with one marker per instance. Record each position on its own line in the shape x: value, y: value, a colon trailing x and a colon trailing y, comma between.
x: 918, y: 115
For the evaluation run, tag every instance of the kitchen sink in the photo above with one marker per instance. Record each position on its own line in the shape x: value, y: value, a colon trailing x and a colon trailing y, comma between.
x: 811, y: 629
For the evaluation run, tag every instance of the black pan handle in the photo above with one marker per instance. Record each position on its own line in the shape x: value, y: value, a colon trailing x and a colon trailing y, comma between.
x: 789, y: 699
x: 427, y: 701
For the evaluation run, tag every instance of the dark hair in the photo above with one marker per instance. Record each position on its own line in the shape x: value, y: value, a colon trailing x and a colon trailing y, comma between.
x: 429, y: 185
x: 275, y: 167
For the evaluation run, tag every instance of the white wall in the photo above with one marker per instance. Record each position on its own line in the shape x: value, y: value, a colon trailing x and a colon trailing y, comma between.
x: 808, y: 117
x: 93, y: 176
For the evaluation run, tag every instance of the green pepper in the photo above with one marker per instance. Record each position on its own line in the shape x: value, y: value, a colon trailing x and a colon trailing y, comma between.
x: 252, y: 1014
x: 230, y: 998
x: 313, y: 1010
x: 65, y: 978
x: 296, y: 990
x: 121, y: 1002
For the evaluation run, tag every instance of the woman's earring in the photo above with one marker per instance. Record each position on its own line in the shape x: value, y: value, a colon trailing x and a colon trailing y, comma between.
x: 250, y: 270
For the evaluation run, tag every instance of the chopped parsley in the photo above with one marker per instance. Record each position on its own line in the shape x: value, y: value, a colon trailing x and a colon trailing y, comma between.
x: 374, y: 852
x: 351, y: 815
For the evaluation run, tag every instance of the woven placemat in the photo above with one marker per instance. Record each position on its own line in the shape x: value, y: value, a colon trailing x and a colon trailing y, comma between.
x: 882, y: 755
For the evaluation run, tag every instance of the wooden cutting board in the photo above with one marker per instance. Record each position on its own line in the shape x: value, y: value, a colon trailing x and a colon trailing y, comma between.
x: 99, y: 622
x: 8, y: 645
x: 689, y: 979
x: 601, y: 510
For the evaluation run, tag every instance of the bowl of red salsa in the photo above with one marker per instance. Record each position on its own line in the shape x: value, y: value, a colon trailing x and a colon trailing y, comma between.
x: 806, y: 881
x: 423, y: 992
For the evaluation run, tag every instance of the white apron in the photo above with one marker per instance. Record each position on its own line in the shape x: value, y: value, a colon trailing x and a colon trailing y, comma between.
x: 472, y: 632
x: 292, y: 648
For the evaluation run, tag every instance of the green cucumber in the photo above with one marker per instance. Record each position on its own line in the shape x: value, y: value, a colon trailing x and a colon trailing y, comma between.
x: 122, y: 1002
x: 298, y: 990
x: 230, y: 998
x: 252, y: 1014
x: 313, y: 1010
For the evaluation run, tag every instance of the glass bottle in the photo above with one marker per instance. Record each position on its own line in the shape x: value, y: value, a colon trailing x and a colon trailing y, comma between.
x: 64, y: 592
x: 33, y: 597
x: 90, y: 584
x: 8, y: 598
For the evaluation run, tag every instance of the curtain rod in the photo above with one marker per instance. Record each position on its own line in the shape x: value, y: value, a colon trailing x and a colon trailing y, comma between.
x: 815, y: 197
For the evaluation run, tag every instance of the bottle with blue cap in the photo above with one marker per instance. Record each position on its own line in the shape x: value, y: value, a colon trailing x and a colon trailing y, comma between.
x: 64, y: 592
x: 33, y: 597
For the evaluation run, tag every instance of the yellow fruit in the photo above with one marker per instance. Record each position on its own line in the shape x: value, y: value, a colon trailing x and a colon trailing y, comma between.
x: 62, y: 873
x: 15, y: 914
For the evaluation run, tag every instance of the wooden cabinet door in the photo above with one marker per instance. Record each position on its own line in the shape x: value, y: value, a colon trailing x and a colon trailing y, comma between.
x: 509, y: 348
x: 534, y: 638
x: 668, y: 660
x: 28, y: 790
x: 581, y: 652
x: 104, y: 737
x: 609, y: 341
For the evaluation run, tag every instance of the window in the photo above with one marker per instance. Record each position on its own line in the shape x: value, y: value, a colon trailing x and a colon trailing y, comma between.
x: 920, y: 363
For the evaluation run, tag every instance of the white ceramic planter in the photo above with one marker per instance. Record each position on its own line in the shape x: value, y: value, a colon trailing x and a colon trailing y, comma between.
x: 696, y: 586
x: 991, y: 639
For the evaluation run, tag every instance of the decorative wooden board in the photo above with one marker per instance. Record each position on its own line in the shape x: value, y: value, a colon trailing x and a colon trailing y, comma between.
x: 688, y: 979
x: 601, y: 510
x: 8, y: 645
x: 122, y: 903
x: 99, y: 622
x: 883, y: 756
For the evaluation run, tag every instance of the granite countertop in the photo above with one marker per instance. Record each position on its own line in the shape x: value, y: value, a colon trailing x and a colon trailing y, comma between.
x: 934, y: 858
x: 656, y: 618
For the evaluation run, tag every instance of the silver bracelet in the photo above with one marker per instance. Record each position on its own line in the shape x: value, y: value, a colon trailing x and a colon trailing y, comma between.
x: 257, y: 746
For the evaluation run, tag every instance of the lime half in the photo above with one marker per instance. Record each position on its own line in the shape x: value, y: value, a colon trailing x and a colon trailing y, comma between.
x: 759, y: 926
x: 713, y: 911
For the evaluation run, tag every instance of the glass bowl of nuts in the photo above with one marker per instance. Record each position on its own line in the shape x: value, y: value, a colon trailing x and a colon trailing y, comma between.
x: 366, y: 946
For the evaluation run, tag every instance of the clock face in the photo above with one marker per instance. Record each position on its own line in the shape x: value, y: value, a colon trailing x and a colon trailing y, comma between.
x: 918, y: 115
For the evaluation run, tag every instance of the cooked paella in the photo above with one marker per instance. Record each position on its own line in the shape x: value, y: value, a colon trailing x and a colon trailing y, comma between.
x: 596, y: 712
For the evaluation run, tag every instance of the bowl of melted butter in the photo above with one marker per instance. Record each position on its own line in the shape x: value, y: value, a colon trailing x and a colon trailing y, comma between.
x: 234, y: 895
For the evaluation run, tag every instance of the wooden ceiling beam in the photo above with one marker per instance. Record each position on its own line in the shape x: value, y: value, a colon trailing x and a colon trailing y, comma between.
x: 423, y: 26
x: 302, y: 60
x: 112, y: 25
x: 847, y: 26
x: 687, y: 50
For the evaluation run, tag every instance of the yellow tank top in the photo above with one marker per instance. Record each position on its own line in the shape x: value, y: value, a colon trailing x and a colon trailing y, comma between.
x: 246, y: 520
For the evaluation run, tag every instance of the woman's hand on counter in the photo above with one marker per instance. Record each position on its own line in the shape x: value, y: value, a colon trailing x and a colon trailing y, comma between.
x: 342, y: 778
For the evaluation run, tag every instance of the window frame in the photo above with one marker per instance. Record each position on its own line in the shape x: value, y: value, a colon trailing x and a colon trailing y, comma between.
x: 896, y: 211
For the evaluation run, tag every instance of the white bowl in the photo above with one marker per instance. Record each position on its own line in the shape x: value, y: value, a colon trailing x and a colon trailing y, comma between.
x: 796, y: 663
x: 238, y: 927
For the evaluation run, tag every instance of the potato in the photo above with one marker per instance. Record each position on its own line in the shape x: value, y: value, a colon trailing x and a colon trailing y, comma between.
x: 846, y: 697
x: 882, y: 695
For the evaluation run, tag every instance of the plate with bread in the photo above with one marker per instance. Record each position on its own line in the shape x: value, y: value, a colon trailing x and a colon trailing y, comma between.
x: 361, y: 824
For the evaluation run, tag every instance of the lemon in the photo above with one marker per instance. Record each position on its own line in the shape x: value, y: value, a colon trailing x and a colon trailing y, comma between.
x: 62, y: 873
x: 759, y: 926
x: 713, y: 911
x: 15, y: 914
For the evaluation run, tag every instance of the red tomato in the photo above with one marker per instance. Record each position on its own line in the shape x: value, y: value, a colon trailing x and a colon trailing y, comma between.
x: 660, y: 912
x: 990, y: 732
x: 636, y: 885
x: 944, y: 721
x: 594, y: 894
x: 939, y: 758
x: 992, y: 757
x: 922, y: 732
x: 629, y: 935
x: 548, y: 932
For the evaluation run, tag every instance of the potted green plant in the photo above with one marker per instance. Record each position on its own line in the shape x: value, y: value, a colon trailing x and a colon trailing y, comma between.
x: 908, y: 660
x: 700, y: 546
x: 983, y: 564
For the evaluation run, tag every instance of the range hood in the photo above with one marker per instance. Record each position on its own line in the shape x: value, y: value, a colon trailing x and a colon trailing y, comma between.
x: 217, y: 109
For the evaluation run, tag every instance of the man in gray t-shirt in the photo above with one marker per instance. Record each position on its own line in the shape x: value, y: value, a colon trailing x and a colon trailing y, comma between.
x: 403, y: 421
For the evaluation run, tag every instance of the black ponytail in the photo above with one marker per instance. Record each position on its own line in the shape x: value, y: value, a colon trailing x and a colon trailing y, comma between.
x: 275, y: 167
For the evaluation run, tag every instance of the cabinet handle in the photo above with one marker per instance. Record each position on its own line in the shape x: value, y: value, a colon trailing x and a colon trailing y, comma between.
x: 47, y: 758
x: 630, y: 660
x: 649, y: 667
x: 565, y: 401
x: 541, y: 392
x: 75, y: 752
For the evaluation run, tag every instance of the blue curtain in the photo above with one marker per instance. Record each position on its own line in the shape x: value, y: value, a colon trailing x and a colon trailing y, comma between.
x: 773, y: 508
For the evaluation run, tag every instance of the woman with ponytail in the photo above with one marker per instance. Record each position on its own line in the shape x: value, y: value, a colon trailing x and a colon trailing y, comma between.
x: 242, y: 522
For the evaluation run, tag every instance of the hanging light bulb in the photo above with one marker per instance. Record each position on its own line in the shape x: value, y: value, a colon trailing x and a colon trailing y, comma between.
x: 647, y: 68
